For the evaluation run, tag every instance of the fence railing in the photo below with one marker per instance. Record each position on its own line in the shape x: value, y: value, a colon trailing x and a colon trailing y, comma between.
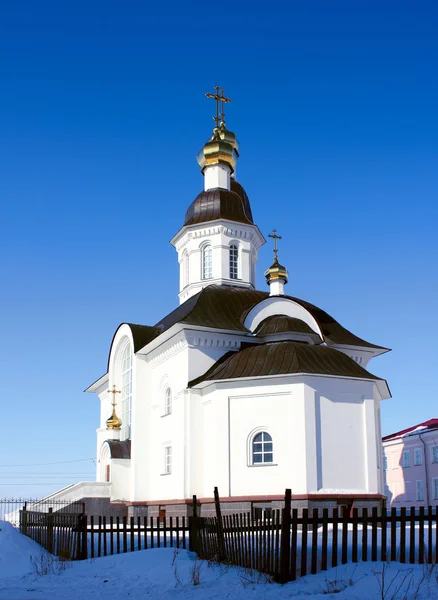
x: 62, y: 534
x: 108, y: 535
x: 284, y: 543
x: 288, y: 546
x: 10, y: 507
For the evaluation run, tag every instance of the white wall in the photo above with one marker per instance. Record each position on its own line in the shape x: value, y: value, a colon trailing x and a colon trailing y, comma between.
x: 324, y: 429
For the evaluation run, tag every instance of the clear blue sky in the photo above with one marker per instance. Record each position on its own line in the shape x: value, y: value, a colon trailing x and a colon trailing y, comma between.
x: 102, y: 112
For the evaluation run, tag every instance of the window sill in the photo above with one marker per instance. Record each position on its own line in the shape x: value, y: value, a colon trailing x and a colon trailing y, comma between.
x: 264, y: 465
x: 165, y: 474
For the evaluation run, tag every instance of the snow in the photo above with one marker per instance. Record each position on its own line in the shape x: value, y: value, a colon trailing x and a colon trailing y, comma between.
x: 166, y: 573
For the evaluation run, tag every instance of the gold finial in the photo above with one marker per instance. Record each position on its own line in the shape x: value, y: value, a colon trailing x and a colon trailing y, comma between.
x: 219, y: 96
x: 275, y: 238
x: 276, y: 271
x: 114, y: 422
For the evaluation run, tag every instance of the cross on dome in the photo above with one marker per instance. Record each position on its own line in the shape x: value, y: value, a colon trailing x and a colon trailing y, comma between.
x: 219, y: 97
x: 114, y: 422
x: 275, y: 238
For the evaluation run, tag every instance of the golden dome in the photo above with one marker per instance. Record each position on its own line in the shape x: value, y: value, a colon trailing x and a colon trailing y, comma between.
x: 276, y: 271
x: 221, y: 148
x: 114, y: 422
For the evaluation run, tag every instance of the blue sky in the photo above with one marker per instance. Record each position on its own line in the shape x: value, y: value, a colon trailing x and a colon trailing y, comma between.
x: 102, y: 112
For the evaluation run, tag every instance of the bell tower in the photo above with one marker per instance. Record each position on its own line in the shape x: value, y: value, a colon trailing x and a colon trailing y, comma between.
x: 219, y: 242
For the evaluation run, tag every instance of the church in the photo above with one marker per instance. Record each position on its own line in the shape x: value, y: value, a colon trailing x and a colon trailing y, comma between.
x: 252, y: 391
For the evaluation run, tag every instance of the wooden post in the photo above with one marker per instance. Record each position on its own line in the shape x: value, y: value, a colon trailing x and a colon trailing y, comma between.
x: 50, y: 531
x: 194, y: 534
x: 285, y: 538
x: 82, y: 538
x: 220, y: 526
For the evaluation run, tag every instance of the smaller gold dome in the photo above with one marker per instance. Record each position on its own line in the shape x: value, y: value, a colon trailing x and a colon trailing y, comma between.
x: 276, y: 271
x: 114, y: 422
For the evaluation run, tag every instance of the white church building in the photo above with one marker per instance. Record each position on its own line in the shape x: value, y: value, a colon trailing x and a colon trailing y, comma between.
x: 250, y: 391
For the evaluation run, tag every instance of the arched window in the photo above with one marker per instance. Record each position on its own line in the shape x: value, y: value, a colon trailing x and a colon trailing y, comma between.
x: 234, y: 262
x: 168, y: 401
x: 207, y: 262
x: 262, y: 451
x: 185, y: 269
x: 126, y: 395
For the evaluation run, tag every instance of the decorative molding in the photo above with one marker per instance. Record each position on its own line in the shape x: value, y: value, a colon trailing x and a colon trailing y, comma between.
x: 212, y: 342
x: 161, y: 355
x: 241, y: 234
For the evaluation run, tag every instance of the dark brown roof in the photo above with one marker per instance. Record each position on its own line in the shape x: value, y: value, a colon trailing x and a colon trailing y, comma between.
x: 226, y: 307
x: 282, y: 358
x: 219, y: 203
x: 119, y: 449
x: 141, y: 334
x: 282, y: 324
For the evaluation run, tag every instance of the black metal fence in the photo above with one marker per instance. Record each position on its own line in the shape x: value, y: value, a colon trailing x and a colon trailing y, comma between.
x: 10, y: 507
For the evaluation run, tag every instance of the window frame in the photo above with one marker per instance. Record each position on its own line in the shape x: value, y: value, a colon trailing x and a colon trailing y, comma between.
x: 168, y: 401
x: 406, y: 455
x: 167, y: 459
x: 207, y: 268
x: 264, y: 441
x: 233, y: 261
x: 419, y: 488
x: 435, y: 487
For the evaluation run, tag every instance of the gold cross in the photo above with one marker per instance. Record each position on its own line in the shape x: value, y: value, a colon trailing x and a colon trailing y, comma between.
x: 275, y: 238
x: 114, y: 392
x: 219, y: 96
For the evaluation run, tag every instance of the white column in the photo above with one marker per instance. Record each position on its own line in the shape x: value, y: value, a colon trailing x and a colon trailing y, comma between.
x: 276, y: 287
x: 217, y: 176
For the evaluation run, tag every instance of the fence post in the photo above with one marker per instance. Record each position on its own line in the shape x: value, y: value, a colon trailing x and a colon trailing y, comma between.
x: 23, y: 519
x: 83, y: 545
x: 220, y: 527
x: 50, y: 532
x: 283, y: 576
x: 194, y: 536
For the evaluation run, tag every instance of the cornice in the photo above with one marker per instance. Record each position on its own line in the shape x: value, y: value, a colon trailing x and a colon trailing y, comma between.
x: 239, y: 231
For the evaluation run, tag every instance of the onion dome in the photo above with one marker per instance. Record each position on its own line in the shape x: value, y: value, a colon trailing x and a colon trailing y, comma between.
x: 282, y: 324
x: 114, y: 422
x: 221, y: 148
x: 218, y: 203
x: 276, y: 272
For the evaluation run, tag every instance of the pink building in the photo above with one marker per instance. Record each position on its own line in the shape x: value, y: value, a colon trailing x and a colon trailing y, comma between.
x: 411, y: 465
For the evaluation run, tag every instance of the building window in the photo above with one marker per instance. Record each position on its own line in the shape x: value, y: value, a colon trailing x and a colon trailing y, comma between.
x: 168, y: 402
x: 406, y: 459
x: 420, y: 490
x: 168, y: 460
x: 126, y: 395
x: 385, y: 462
x: 434, y: 452
x: 207, y: 262
x: 435, y: 488
x: 234, y: 262
x: 262, y: 451
x: 418, y: 457
x: 185, y: 274
x: 108, y: 473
